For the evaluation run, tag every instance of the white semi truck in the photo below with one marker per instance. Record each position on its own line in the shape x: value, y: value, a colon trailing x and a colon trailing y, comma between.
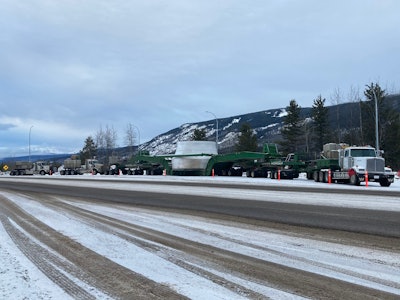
x: 350, y: 164
x: 30, y: 168
x: 73, y: 166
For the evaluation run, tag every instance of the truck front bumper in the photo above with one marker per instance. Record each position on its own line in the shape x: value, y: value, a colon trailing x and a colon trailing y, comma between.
x: 376, y: 177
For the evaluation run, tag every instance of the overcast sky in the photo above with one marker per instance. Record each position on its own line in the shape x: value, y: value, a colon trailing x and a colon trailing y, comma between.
x: 68, y: 68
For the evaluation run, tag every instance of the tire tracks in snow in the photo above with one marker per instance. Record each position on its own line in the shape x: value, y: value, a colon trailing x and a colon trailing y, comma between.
x: 61, y: 258
x: 139, y: 236
x: 196, y: 254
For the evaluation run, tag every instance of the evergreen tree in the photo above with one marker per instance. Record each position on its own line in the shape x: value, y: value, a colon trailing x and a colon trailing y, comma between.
x: 320, y: 117
x: 247, y: 140
x: 199, y: 135
x: 368, y: 113
x: 292, y: 128
x: 89, y: 150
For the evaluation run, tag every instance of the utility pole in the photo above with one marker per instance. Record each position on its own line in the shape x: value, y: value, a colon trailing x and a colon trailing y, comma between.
x: 376, y: 121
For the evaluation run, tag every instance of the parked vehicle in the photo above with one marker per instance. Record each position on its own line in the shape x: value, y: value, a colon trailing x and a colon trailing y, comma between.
x: 73, y: 166
x: 31, y: 168
x: 355, y: 164
x: 202, y: 158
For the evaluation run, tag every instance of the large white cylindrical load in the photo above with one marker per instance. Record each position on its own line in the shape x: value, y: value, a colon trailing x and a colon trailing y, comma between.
x: 193, y: 163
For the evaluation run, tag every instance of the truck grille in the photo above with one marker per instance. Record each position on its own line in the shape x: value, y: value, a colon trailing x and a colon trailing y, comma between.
x: 375, y: 165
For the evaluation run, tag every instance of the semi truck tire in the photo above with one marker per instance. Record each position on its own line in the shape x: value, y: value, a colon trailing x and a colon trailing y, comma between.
x: 316, y: 176
x: 321, y: 176
x: 384, y: 182
x: 354, y: 180
x: 326, y: 176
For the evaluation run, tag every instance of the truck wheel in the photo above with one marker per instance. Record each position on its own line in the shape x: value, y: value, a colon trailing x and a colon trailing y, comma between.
x: 326, y: 176
x: 316, y: 176
x: 384, y: 182
x: 321, y: 176
x: 354, y: 180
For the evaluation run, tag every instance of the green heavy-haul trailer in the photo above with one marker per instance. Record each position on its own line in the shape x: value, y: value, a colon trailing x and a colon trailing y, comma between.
x: 268, y: 163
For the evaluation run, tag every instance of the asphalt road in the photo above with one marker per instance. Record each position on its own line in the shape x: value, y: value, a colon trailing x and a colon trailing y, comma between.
x: 381, y: 223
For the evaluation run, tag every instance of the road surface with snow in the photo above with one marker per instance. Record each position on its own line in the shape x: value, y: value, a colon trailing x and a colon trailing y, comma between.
x: 72, y: 246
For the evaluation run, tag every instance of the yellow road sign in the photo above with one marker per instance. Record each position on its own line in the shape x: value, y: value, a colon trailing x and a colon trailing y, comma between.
x: 5, y: 167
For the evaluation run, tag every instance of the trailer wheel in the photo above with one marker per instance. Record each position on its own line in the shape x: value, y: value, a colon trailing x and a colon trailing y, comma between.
x: 354, y: 180
x: 321, y: 176
x: 316, y: 176
x: 42, y: 172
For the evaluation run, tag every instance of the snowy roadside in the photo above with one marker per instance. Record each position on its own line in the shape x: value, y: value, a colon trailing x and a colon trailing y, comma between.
x: 388, y: 203
x: 20, y: 279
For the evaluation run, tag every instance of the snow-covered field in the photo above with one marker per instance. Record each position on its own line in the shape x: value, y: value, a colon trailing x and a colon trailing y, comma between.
x: 20, y: 279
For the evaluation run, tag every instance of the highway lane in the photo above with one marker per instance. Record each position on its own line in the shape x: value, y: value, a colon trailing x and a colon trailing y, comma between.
x: 382, y: 223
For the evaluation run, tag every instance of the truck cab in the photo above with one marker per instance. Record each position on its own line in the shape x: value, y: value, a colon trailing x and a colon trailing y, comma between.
x: 357, y: 157
x: 361, y: 161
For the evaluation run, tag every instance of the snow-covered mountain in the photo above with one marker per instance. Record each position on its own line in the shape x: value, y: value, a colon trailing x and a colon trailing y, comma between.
x: 266, y: 125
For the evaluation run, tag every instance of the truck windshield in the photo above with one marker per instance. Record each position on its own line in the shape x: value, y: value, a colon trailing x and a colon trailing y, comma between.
x: 363, y: 153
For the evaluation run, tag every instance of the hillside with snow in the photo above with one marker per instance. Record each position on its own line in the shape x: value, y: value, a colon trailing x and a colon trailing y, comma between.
x: 266, y: 125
